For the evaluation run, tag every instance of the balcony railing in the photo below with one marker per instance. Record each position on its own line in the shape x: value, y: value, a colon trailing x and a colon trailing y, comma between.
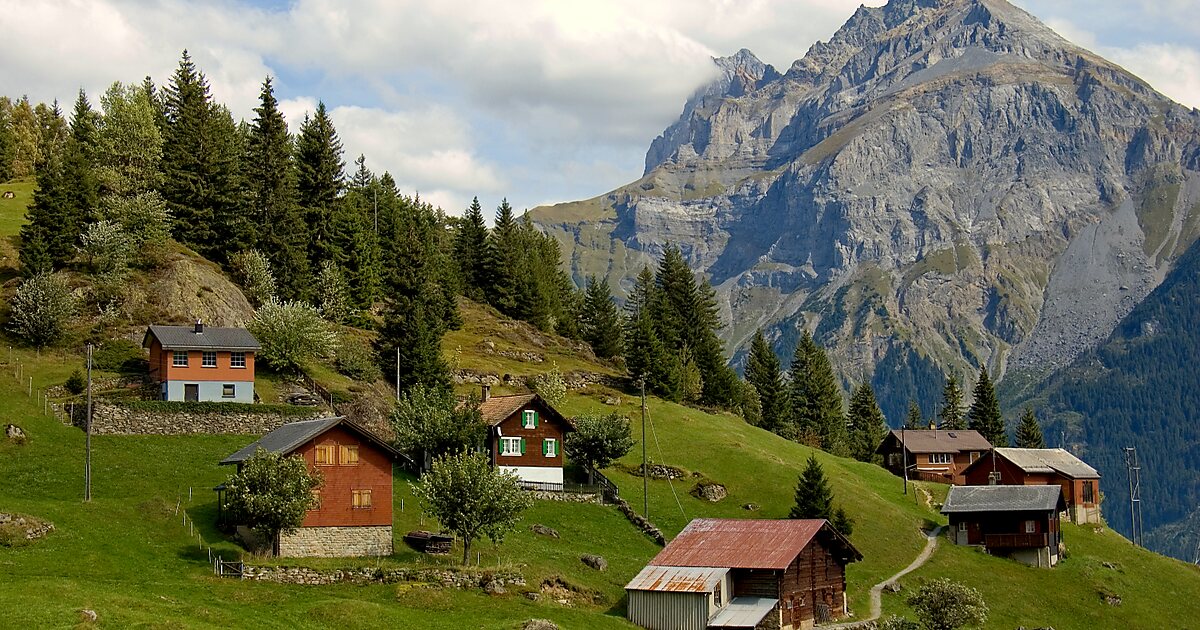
x: 1016, y: 541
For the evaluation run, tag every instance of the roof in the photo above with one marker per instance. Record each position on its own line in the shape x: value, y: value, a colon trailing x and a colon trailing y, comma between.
x: 677, y: 579
x: 937, y: 441
x: 1003, y: 499
x: 497, y: 409
x: 750, y: 543
x: 291, y: 436
x: 213, y: 338
x: 1048, y: 460
x: 743, y: 612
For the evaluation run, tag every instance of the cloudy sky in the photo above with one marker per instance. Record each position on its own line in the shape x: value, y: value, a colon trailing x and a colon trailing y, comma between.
x: 537, y: 100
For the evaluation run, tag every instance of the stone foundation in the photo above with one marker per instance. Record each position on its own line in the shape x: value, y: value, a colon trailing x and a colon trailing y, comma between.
x: 337, y: 542
x: 110, y: 419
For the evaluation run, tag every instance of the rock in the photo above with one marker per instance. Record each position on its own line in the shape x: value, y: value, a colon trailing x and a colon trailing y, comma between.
x: 614, y: 401
x: 15, y: 434
x: 539, y: 624
x: 538, y: 528
x: 892, y: 587
x: 88, y: 615
x: 494, y: 587
x: 753, y: 507
x: 711, y: 492
x: 533, y: 596
x: 596, y: 562
x: 1109, y: 565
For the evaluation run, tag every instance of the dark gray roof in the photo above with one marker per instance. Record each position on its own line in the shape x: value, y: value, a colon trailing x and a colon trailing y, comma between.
x: 936, y: 441
x: 293, y: 435
x: 1002, y: 499
x: 213, y: 338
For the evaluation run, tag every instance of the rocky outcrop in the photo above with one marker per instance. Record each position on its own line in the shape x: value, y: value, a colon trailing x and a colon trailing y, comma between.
x: 944, y: 179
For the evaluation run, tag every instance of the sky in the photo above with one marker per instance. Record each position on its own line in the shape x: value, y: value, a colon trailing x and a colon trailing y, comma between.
x: 539, y: 101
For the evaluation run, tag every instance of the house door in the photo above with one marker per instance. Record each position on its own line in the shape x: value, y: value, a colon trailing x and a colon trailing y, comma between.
x: 191, y: 392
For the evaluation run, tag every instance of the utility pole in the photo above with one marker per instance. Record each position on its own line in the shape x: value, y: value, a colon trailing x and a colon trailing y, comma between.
x: 397, y: 373
x: 87, y: 467
x: 375, y: 204
x: 904, y: 458
x: 1135, y: 495
x: 645, y: 468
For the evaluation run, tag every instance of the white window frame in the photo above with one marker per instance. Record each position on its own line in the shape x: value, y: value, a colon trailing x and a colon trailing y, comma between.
x: 941, y: 458
x: 176, y: 355
x: 962, y: 526
x: 1030, y: 527
x: 228, y: 387
x: 551, y: 447
x: 237, y: 360
x: 529, y: 419
x: 510, y: 447
x: 204, y: 355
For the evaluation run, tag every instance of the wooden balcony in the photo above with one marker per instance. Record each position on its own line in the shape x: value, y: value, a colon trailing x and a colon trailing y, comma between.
x: 1016, y: 541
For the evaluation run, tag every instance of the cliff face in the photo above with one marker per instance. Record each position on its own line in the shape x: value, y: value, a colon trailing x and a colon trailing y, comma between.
x: 948, y: 177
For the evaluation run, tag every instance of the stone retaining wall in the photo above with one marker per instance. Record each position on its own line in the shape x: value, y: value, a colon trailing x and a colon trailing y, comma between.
x: 576, y: 379
x: 110, y: 419
x: 448, y: 578
x: 337, y: 542
x: 641, y: 523
x: 566, y: 497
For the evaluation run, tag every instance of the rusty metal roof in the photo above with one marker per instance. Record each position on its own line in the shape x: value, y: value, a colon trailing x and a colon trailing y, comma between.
x: 749, y: 543
x: 677, y: 579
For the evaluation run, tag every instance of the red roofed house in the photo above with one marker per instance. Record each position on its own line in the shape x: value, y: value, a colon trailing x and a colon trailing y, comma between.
x: 354, y: 513
x: 525, y: 436
x: 932, y: 455
x: 1043, y: 467
x: 739, y: 573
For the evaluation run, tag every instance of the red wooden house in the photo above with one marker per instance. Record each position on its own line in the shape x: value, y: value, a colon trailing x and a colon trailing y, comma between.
x: 932, y: 455
x: 1020, y: 522
x: 1080, y: 483
x: 198, y: 363
x: 353, y: 516
x: 525, y: 436
x: 738, y: 573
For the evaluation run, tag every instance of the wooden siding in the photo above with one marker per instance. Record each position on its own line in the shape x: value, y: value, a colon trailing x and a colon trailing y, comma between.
x: 162, y: 366
x: 755, y: 583
x: 546, y: 429
x: 1012, y: 475
x: 814, y: 578
x: 922, y: 468
x: 373, y: 472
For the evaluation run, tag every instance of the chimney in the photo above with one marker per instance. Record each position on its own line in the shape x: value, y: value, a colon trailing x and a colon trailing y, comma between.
x: 199, y: 326
x: 486, y: 393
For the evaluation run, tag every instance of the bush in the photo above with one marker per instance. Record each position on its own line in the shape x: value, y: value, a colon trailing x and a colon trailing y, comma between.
x: 356, y: 360
x: 76, y: 383
x: 291, y: 334
x: 119, y: 355
x: 550, y: 386
x: 253, y: 271
x: 41, y: 309
x: 896, y: 622
x: 944, y: 604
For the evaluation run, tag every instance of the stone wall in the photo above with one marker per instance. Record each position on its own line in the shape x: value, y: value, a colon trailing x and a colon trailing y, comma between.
x: 490, y: 580
x: 112, y: 419
x: 567, y: 497
x: 575, y: 379
x: 337, y: 542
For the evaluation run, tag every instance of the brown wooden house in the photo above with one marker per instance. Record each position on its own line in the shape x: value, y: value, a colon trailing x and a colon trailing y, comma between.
x: 525, y: 436
x: 353, y: 516
x: 1080, y: 483
x: 932, y: 455
x: 740, y: 573
x: 1021, y: 522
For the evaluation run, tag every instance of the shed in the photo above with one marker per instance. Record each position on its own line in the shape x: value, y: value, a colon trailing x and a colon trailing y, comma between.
x: 1021, y: 522
x: 664, y: 598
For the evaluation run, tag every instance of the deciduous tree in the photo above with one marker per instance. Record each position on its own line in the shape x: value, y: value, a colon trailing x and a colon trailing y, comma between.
x: 271, y: 493
x: 291, y: 334
x: 943, y: 604
x: 598, y: 440
x: 428, y: 422
x: 41, y: 308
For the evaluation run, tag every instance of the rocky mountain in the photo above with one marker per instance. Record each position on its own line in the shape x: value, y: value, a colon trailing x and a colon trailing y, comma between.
x: 944, y: 184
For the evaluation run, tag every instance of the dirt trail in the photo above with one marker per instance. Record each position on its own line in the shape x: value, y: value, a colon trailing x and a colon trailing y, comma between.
x: 877, y: 590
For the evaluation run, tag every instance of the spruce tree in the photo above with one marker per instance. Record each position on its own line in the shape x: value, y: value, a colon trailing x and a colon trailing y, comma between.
x: 600, y: 324
x: 914, y: 420
x: 814, y: 497
x: 765, y: 373
x: 984, y: 415
x: 283, y: 235
x: 952, y: 417
x: 320, y: 177
x: 471, y: 252
x: 506, y: 272
x: 817, y: 409
x: 6, y: 139
x: 47, y: 240
x: 867, y: 426
x: 1029, y: 432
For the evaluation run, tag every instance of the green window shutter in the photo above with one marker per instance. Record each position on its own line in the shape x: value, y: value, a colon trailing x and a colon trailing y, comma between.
x: 535, y: 419
x: 545, y: 446
x: 522, y: 446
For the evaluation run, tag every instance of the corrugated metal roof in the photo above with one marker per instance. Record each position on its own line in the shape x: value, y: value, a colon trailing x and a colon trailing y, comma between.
x: 745, y: 543
x: 213, y: 338
x: 743, y: 612
x: 293, y: 435
x: 677, y: 579
x: 1002, y: 499
x: 939, y: 441
x: 1046, y: 460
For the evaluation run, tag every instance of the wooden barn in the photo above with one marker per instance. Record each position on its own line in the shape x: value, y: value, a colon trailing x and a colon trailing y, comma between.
x: 525, y: 436
x: 740, y: 573
x: 1080, y: 482
x: 353, y: 516
x: 1020, y: 522
x: 932, y: 455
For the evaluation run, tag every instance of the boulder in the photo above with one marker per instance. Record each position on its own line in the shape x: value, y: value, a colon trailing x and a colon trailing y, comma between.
x: 711, y: 492
x: 596, y: 562
x: 88, y: 615
x: 538, y: 528
x: 539, y: 624
x: 892, y: 587
x: 753, y: 507
x: 15, y: 433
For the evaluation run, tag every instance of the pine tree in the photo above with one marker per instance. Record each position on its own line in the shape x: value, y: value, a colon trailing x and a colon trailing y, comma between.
x: 984, y: 415
x: 1029, y: 432
x: 506, y: 272
x: 46, y: 241
x: 600, y: 324
x: 952, y: 417
x: 817, y: 409
x: 867, y: 426
x: 320, y: 178
x: 814, y: 497
x: 471, y: 252
x: 765, y: 373
x: 158, y: 102
x: 283, y: 234
x: 914, y: 420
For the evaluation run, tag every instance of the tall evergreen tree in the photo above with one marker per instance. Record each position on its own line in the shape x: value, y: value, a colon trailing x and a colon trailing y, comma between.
x: 506, y: 272
x: 49, y: 235
x: 645, y: 356
x: 283, y: 235
x: 471, y: 252
x: 157, y: 102
x: 984, y: 415
x: 952, y: 417
x: 814, y: 497
x: 914, y: 420
x: 356, y: 244
x: 817, y: 409
x: 867, y: 426
x: 600, y: 324
x: 320, y: 179
x: 6, y: 138
x: 1029, y: 432
x: 765, y: 373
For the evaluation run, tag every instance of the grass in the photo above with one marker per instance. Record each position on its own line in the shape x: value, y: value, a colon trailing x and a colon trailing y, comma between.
x: 12, y: 211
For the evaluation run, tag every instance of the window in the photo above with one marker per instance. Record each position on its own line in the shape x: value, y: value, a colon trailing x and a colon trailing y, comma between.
x: 962, y: 526
x: 237, y: 359
x: 316, y: 504
x: 349, y: 453
x: 1030, y: 527
x: 550, y: 447
x: 512, y: 445
x: 362, y: 499
x: 323, y: 455
x: 717, y: 595
x: 228, y: 390
x: 940, y: 458
x: 179, y: 358
x: 208, y: 358
x: 1089, y: 492
x: 529, y: 419
x: 974, y: 455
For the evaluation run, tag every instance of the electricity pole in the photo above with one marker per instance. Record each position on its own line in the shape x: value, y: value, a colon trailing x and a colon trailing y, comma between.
x: 1135, y: 495
x: 87, y: 466
x: 904, y: 458
x: 645, y: 468
x: 397, y: 373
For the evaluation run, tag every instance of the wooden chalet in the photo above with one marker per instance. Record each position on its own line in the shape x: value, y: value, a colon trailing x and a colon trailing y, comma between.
x: 1020, y: 522
x: 933, y: 454
x: 740, y: 573
x: 1080, y: 483
x: 353, y: 516
x: 525, y: 436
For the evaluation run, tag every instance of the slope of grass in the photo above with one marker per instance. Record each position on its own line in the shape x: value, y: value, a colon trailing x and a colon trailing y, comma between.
x: 12, y: 211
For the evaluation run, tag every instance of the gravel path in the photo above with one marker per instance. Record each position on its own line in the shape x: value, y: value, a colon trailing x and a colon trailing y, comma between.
x: 877, y: 590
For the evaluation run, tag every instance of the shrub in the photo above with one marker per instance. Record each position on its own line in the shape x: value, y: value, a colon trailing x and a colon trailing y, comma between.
x: 896, y: 622
x: 253, y: 271
x: 944, y: 604
x: 106, y: 246
x: 271, y: 493
x: 76, y: 384
x: 291, y: 334
x: 356, y: 360
x: 550, y: 386
x: 41, y: 309
x: 119, y: 355
x: 333, y: 294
